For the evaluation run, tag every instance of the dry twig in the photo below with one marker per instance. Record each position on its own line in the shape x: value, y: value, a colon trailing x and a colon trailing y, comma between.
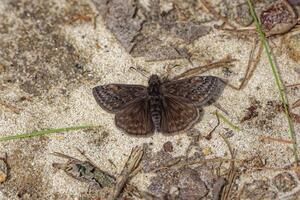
x: 201, y: 69
x: 131, y: 164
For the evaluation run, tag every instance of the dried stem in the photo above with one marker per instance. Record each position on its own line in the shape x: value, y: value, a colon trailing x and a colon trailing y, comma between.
x: 201, y: 69
x: 131, y: 164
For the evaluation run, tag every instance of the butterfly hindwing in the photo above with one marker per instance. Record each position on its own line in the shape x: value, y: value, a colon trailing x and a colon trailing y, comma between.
x: 115, y: 97
x: 177, y: 115
x: 197, y: 89
x: 135, y: 118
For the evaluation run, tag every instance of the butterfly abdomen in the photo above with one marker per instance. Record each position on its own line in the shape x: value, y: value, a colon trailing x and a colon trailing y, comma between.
x: 155, y: 111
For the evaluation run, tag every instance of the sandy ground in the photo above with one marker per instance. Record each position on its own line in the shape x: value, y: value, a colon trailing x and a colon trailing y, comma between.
x: 48, y: 66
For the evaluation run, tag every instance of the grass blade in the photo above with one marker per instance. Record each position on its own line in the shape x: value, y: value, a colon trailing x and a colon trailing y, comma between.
x: 45, y: 132
x: 277, y: 79
x: 226, y: 121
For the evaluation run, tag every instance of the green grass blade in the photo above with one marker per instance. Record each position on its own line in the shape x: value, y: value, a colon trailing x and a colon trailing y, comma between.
x: 44, y: 132
x: 277, y: 79
x: 226, y: 121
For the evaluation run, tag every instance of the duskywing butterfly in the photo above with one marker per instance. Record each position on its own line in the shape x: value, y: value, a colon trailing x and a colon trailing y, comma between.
x: 164, y: 106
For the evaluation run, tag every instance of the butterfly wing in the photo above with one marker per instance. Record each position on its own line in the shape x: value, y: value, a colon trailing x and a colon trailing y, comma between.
x: 114, y: 97
x: 135, y: 118
x: 177, y: 115
x: 197, y: 89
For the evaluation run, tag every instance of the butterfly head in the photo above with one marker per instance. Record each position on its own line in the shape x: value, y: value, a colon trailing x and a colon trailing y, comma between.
x: 154, y: 79
x: 154, y: 84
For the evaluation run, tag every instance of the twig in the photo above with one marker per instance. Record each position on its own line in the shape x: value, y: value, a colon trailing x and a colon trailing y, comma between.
x: 193, y: 162
x: 276, y: 169
x: 95, y: 21
x: 252, y: 65
x: 232, y: 174
x: 296, y: 104
x: 131, y: 164
x: 293, y: 85
x: 295, y: 117
x: 241, y: 192
x: 226, y: 121
x: 264, y: 138
x: 201, y: 69
x: 169, y: 164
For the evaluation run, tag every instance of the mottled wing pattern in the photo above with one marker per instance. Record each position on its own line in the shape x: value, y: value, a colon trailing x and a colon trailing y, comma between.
x: 114, y: 97
x: 197, y: 89
x: 177, y: 115
x: 135, y: 118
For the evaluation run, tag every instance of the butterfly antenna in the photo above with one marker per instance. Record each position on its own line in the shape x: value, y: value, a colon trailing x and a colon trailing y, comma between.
x: 139, y: 71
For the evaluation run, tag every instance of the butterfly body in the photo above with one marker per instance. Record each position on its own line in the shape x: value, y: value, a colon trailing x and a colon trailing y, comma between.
x: 164, y: 106
x: 155, y: 99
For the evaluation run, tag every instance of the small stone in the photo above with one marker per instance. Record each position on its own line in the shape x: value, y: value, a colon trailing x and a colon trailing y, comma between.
x: 244, y: 17
x: 239, y: 12
x: 191, y: 187
x: 189, y: 31
x: 277, y: 18
x: 258, y: 189
x: 284, y: 182
x: 168, y: 147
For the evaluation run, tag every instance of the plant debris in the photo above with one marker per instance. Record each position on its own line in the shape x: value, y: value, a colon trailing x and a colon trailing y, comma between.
x: 251, y: 111
x: 85, y: 171
x: 3, y: 169
x: 131, y: 164
x: 262, y: 115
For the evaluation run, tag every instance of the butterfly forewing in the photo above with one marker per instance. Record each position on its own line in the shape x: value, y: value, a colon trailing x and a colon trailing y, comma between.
x: 115, y: 97
x: 135, y: 118
x: 177, y: 115
x: 197, y: 89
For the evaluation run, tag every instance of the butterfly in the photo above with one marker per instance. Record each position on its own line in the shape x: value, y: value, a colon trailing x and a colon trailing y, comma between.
x: 167, y: 106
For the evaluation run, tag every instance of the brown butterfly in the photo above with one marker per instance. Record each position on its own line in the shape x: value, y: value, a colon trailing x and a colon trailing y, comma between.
x: 164, y: 106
